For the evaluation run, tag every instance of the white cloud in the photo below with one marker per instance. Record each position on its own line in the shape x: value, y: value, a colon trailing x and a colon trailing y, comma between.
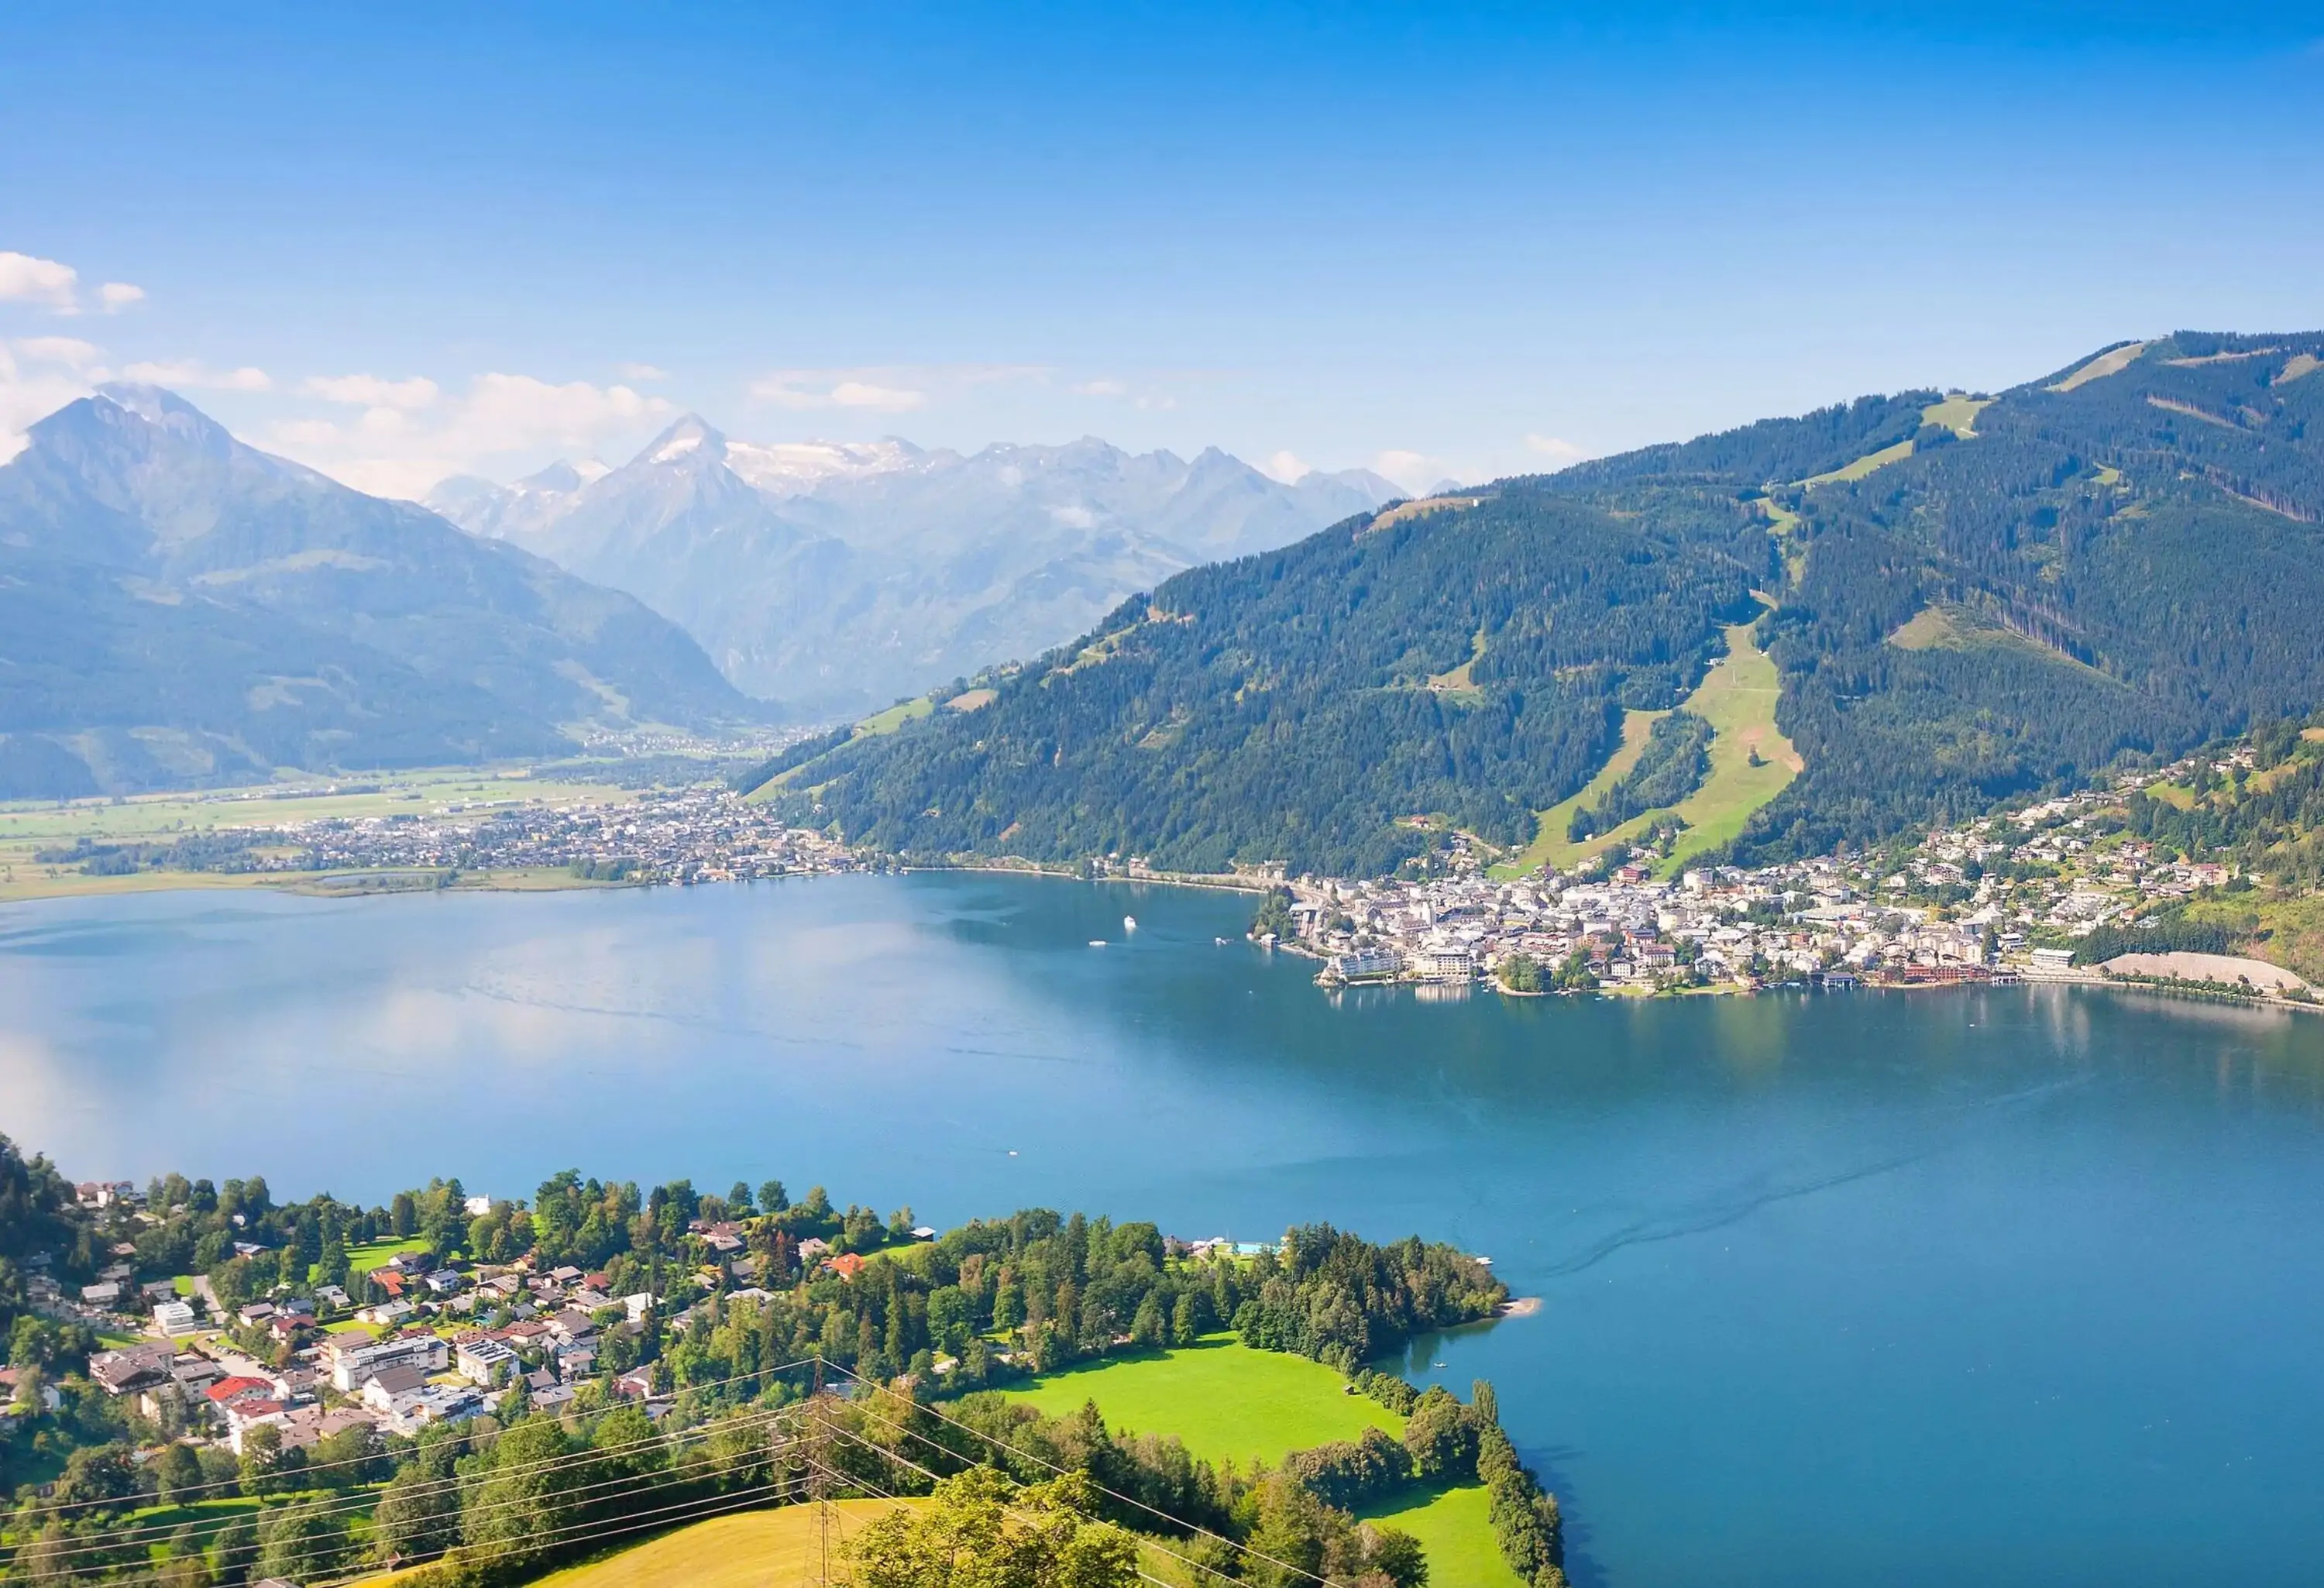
x: 509, y: 412
x: 1553, y: 447
x: 1102, y: 389
x: 885, y: 399
x: 69, y: 351
x: 29, y: 394
x: 804, y: 388
x: 25, y: 279
x: 412, y: 433
x: 117, y: 296
x: 641, y: 371
x: 883, y: 389
x: 373, y: 391
x: 1414, y: 471
x: 1286, y: 467
x: 192, y: 374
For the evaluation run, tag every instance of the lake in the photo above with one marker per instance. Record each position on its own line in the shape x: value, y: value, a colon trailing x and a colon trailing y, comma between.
x: 2018, y: 1286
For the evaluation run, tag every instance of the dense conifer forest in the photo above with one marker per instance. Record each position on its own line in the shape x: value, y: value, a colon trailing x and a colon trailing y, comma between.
x: 1999, y: 596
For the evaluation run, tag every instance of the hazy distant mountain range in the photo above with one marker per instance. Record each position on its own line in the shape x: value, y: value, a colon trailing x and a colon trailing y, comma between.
x: 179, y: 608
x: 837, y: 576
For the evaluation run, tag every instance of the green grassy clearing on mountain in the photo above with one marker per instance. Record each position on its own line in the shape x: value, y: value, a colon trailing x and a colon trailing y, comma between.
x: 2103, y: 365
x: 1948, y: 627
x: 894, y: 717
x: 1864, y: 465
x: 1958, y: 413
x: 1550, y: 845
x: 1737, y: 697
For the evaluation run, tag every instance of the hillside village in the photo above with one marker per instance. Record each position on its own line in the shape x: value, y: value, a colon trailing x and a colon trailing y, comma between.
x: 412, y: 1342
x: 2019, y: 894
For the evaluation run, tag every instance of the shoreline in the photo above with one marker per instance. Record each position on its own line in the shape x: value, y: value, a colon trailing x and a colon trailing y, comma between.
x: 337, y: 884
x: 362, y: 885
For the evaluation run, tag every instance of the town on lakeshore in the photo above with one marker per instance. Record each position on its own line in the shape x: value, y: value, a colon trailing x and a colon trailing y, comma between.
x: 2029, y: 892
x: 2022, y: 894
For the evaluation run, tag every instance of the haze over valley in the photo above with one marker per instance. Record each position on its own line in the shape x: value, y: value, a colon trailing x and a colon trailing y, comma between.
x: 834, y: 577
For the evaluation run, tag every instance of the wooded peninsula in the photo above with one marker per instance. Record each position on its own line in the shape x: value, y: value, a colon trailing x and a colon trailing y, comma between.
x: 207, y: 1386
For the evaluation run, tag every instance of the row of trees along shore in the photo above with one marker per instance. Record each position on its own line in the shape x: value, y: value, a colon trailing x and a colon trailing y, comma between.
x: 733, y: 1343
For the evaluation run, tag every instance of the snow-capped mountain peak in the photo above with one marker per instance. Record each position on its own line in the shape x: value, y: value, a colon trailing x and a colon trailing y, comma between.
x: 689, y: 439
x: 793, y: 468
x: 835, y: 575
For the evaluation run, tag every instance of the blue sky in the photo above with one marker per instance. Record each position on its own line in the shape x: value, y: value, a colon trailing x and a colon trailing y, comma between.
x: 1452, y: 242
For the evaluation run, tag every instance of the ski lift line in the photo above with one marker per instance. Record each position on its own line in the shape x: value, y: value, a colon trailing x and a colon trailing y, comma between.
x: 365, y: 1460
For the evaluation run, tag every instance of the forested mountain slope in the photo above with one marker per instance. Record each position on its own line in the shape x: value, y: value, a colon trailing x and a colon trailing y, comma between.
x: 177, y: 607
x: 1967, y: 598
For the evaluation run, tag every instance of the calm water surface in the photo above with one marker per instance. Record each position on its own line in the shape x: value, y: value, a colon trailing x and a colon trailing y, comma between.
x: 1915, y: 1288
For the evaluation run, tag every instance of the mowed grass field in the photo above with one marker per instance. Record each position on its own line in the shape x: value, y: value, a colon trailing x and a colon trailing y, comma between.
x: 373, y: 1254
x: 1455, y: 1528
x: 1737, y: 698
x: 752, y: 1549
x: 1225, y: 1400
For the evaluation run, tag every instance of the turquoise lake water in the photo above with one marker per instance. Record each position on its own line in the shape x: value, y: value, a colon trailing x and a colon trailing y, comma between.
x: 2013, y: 1286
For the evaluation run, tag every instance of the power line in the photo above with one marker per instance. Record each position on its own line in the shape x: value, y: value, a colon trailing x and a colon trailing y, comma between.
x: 195, y: 1489
x: 1182, y: 1559
x: 1062, y: 1472
x: 1018, y: 1509
x: 353, y: 1504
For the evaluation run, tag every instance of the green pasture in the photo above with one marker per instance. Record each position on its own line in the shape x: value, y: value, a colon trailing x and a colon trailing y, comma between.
x: 1227, y: 1401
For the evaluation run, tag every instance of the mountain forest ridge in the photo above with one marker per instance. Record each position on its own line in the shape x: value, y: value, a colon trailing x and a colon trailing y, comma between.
x: 1960, y: 598
x: 1957, y: 598
x: 835, y: 577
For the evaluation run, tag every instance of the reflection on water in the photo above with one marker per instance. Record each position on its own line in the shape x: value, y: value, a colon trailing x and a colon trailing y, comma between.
x: 1867, y: 1288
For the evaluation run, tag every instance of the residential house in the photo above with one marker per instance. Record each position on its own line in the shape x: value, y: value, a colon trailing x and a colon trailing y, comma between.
x: 384, y: 1388
x: 481, y: 1362
x: 132, y: 1371
x: 251, y: 1411
x: 350, y: 1364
